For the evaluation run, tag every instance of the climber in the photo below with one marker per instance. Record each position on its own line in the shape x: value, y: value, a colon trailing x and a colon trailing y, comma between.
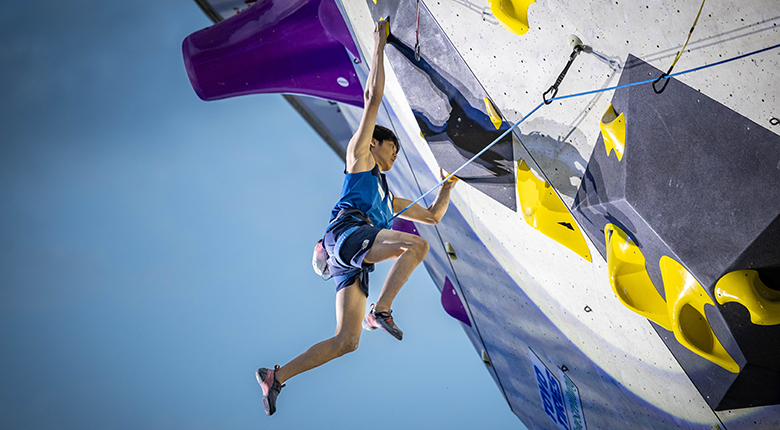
x: 360, y: 235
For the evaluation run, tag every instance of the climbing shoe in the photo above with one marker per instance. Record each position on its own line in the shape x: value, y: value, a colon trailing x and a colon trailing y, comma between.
x: 383, y: 320
x: 271, y: 388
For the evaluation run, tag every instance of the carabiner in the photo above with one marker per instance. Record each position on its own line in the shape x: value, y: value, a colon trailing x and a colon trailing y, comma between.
x: 663, y: 75
x: 554, y: 90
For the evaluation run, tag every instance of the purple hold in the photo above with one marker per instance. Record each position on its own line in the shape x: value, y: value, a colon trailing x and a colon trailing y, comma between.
x: 452, y: 303
x: 290, y: 46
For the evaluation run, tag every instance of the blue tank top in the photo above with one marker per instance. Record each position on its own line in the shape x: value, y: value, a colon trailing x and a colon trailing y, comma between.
x: 367, y: 192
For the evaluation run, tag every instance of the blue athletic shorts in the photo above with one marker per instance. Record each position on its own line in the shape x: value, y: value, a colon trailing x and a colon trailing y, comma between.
x: 348, y: 241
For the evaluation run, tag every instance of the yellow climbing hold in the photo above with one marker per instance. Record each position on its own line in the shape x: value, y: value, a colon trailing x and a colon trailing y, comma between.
x: 512, y: 14
x: 629, y: 279
x: 746, y: 288
x: 387, y: 23
x: 495, y: 118
x: 686, y: 299
x: 613, y: 128
x: 543, y: 210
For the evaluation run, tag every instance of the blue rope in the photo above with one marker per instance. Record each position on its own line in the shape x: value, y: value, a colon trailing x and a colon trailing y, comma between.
x: 696, y: 69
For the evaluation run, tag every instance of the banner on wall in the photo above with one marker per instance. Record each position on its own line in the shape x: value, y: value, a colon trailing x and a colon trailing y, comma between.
x: 562, y: 405
x: 571, y: 397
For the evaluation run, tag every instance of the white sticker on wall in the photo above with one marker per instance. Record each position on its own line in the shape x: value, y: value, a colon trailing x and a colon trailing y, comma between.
x: 571, y: 396
x: 343, y: 82
x: 550, y: 392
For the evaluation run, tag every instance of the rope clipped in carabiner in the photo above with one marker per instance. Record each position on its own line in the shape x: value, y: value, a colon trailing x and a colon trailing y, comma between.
x: 679, y: 54
x: 577, y: 47
x: 773, y: 121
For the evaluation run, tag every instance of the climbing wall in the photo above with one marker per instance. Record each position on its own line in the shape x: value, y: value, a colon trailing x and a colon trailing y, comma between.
x: 610, y: 351
x: 701, y: 189
x: 516, y: 69
x: 613, y: 259
x: 450, y: 107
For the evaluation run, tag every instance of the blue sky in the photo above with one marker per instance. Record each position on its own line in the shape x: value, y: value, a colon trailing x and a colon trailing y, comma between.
x: 155, y: 249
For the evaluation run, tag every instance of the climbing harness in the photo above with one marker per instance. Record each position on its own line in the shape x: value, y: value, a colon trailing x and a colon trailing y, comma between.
x: 679, y: 54
x: 417, y: 35
x: 577, y: 47
x: 509, y: 130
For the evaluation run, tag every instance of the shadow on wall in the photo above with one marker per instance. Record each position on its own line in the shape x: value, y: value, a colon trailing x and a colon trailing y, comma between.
x: 452, y: 121
x: 559, y: 160
x: 737, y: 33
x: 465, y: 126
x: 482, y: 10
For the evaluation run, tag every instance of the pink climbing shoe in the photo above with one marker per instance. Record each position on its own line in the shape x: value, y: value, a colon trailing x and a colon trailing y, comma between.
x: 383, y: 320
x: 271, y: 388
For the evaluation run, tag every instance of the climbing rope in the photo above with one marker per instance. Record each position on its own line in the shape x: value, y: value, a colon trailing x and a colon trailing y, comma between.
x: 509, y: 130
x: 679, y: 54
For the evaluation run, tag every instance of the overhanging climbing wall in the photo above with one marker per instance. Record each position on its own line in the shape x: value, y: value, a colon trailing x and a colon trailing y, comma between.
x: 551, y: 148
x: 699, y: 183
x: 448, y: 101
x: 545, y: 317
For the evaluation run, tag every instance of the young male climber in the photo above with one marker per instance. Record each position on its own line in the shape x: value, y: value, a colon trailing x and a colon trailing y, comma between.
x: 359, y: 235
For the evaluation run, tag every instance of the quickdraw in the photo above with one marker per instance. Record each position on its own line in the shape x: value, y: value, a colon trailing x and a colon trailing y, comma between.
x: 584, y: 93
x: 577, y: 47
x: 679, y: 54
